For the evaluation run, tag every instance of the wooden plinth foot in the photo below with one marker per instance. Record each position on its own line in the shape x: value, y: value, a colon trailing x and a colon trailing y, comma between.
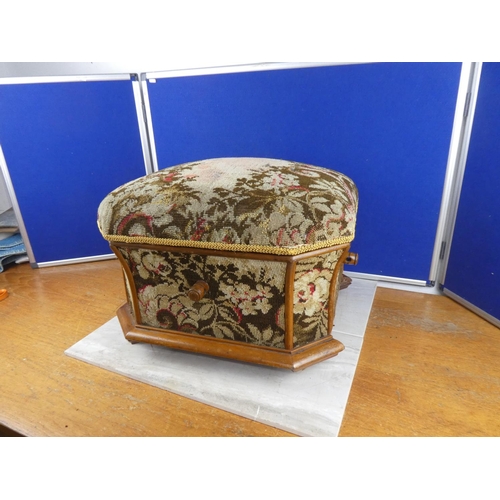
x: 345, y: 281
x: 295, y: 360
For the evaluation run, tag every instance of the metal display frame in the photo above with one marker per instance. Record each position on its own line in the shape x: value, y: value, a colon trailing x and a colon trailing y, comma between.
x: 143, y: 118
x: 460, y: 157
x: 15, y: 207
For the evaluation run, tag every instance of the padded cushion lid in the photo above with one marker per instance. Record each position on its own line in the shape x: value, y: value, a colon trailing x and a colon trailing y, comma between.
x: 239, y: 204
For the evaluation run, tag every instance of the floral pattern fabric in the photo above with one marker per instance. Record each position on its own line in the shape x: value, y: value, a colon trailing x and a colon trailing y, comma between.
x: 245, y: 301
x: 311, y: 296
x: 254, y: 205
x: 236, y: 204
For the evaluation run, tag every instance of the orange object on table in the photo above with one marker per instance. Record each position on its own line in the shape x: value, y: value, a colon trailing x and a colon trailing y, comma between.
x: 3, y: 293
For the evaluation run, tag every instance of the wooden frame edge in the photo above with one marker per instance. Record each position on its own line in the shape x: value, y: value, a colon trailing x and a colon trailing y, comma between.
x: 295, y: 360
x: 334, y: 289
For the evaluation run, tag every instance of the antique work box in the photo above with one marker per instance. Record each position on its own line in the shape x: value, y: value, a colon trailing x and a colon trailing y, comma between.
x: 234, y: 257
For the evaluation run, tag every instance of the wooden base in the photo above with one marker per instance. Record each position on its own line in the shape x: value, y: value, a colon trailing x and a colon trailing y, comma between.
x: 295, y: 360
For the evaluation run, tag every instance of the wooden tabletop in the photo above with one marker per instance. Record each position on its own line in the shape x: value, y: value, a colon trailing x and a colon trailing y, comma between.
x: 427, y: 367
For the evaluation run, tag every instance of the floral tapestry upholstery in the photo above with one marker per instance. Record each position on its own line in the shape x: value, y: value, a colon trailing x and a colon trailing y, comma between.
x: 237, y: 204
x: 245, y: 301
x: 311, y: 297
x: 250, y: 230
x: 246, y: 297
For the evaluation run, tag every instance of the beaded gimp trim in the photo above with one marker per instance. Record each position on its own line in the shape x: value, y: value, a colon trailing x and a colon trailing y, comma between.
x: 208, y: 245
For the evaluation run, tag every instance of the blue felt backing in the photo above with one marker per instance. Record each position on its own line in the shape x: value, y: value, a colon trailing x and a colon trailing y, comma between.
x: 473, y: 271
x: 67, y: 145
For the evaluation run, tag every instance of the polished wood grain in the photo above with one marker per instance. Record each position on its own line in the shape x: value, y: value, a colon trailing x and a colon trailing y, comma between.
x: 295, y: 359
x: 46, y: 393
x: 198, y: 291
x: 428, y: 367
x: 335, y: 284
x: 289, y: 285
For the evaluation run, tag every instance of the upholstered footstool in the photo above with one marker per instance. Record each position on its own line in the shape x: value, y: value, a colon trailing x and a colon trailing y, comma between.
x: 234, y: 257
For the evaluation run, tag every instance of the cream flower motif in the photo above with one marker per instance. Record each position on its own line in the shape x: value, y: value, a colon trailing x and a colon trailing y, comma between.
x: 262, y: 305
x: 151, y: 264
x: 260, y: 297
x: 277, y: 180
x: 311, y: 292
x: 204, y: 173
x: 248, y: 301
x: 308, y: 170
x: 247, y: 307
x: 162, y: 310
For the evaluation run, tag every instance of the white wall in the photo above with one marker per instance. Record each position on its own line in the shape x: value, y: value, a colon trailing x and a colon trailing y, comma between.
x: 27, y: 69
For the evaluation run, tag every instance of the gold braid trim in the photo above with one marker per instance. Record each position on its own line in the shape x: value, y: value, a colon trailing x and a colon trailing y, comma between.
x: 232, y: 247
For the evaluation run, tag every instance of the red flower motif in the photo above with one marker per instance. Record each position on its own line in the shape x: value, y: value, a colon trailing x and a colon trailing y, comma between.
x: 169, y: 177
x: 129, y: 218
x: 200, y: 229
x: 280, y: 236
x: 237, y: 310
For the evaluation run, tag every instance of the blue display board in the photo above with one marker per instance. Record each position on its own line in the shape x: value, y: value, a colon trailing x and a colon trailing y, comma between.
x: 67, y: 145
x: 473, y: 271
x: 387, y: 126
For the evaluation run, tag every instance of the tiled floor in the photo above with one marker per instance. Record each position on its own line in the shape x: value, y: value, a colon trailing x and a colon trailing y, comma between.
x: 307, y: 403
